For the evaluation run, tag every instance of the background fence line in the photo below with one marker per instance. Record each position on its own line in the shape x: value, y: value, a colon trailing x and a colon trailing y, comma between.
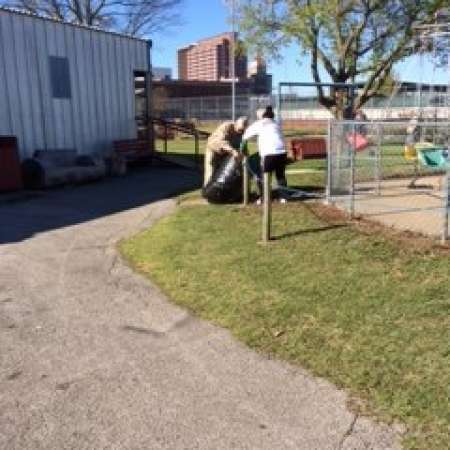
x: 430, y: 105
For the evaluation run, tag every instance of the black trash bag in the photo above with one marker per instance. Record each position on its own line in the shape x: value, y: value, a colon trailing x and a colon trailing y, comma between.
x: 225, y: 185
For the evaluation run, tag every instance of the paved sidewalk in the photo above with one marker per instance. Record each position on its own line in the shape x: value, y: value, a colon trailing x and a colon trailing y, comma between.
x: 421, y: 210
x: 94, y: 357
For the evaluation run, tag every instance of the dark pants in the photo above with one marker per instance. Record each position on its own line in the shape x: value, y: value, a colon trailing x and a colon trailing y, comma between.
x: 277, y: 164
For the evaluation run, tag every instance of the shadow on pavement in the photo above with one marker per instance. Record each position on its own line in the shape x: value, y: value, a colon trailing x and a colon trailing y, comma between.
x: 57, y: 208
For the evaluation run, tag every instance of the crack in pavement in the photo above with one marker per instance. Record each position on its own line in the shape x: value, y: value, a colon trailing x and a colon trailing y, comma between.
x: 349, y: 432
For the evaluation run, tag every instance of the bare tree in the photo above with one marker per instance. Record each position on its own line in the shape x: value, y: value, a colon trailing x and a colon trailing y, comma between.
x: 135, y: 17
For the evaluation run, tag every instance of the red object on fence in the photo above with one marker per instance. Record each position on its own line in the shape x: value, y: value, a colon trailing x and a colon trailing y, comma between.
x: 309, y: 148
x: 10, y: 170
x: 357, y: 141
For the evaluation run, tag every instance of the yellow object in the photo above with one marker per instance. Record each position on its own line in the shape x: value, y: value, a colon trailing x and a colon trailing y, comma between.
x: 410, y: 152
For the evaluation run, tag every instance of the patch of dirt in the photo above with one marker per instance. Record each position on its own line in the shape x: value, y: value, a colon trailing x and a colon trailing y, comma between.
x: 197, y: 201
x: 408, y: 240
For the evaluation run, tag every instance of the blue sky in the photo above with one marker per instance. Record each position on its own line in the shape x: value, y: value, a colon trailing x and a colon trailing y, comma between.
x: 203, y: 18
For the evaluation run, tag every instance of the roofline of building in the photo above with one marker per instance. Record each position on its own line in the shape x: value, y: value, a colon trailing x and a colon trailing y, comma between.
x: 186, y: 47
x: 76, y: 25
x: 201, y: 82
x: 216, y: 36
x: 193, y: 44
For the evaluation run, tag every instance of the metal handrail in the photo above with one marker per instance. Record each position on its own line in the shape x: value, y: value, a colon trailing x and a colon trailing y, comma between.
x: 175, y: 126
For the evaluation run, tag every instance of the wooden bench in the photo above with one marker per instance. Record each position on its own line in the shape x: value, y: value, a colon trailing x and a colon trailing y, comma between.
x: 134, y: 150
x: 309, y: 148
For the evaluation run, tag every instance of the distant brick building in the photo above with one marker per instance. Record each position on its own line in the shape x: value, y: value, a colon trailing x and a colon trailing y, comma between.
x: 211, y: 60
x: 161, y: 73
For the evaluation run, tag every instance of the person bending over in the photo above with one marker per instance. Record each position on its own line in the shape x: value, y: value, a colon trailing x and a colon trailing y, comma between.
x: 224, y: 141
x: 271, y: 148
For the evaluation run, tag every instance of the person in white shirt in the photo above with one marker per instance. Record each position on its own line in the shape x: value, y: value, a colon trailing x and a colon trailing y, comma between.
x: 271, y: 147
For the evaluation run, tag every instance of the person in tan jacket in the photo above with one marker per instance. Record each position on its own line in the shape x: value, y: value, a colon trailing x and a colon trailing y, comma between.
x: 224, y: 141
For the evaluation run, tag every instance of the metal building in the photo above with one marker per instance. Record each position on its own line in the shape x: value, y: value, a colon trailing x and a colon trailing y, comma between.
x: 64, y: 86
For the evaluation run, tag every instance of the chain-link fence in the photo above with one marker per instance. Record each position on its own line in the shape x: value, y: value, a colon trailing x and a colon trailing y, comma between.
x: 211, y: 108
x: 396, y: 173
x: 302, y: 104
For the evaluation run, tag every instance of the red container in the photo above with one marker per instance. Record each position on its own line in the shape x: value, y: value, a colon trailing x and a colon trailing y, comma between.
x: 10, y: 171
x: 309, y: 148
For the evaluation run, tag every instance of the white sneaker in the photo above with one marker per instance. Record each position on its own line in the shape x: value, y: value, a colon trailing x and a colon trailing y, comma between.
x: 258, y: 202
x: 283, y: 201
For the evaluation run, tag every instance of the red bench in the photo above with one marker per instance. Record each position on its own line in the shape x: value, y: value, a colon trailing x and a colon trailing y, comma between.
x: 309, y: 148
x: 134, y: 150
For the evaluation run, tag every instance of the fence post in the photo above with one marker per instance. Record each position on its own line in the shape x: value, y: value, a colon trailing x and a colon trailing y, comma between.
x: 446, y: 206
x: 165, y: 138
x: 267, y: 208
x: 280, y: 106
x: 245, y: 182
x: 197, y: 148
x: 329, y: 164
x: 378, y: 160
x: 352, y: 178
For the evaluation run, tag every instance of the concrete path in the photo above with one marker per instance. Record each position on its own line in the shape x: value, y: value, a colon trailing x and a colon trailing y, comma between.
x: 421, y: 210
x: 92, y: 356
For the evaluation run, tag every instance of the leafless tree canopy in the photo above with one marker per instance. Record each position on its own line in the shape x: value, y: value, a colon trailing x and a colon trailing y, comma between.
x: 135, y: 17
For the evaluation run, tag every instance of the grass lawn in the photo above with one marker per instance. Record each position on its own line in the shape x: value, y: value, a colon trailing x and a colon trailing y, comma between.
x: 369, y: 312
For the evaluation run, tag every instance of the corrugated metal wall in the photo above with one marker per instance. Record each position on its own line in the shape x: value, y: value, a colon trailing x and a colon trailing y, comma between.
x: 101, y: 108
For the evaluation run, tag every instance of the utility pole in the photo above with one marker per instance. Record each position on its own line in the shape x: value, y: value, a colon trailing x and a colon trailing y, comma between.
x: 233, y: 61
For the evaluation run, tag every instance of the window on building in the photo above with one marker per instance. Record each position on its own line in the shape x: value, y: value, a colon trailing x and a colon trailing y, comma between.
x: 60, y: 77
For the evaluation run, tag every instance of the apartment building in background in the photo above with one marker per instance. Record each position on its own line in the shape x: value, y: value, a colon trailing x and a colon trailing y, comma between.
x: 211, y: 60
x: 205, y: 69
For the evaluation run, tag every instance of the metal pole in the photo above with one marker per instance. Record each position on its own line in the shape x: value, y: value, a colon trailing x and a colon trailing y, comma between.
x: 446, y: 207
x: 329, y: 164
x: 233, y: 61
x: 165, y: 138
x: 352, y: 178
x: 447, y: 173
x: 197, y: 148
x: 149, y: 100
x: 267, y: 208
x: 245, y: 183
x: 279, y: 106
x: 378, y: 160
